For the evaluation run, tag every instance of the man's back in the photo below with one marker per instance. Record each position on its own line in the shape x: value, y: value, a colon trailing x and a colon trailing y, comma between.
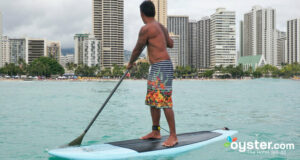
x: 157, y: 42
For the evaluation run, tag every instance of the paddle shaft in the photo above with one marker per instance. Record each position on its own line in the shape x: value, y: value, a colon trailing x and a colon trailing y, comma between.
x: 108, y: 98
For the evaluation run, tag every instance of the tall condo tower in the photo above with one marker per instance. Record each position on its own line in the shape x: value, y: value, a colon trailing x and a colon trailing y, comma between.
x: 260, y: 34
x: 1, y: 52
x: 223, y: 38
x: 179, y: 25
x: 108, y: 27
x: 161, y: 10
x: 203, y: 56
x: 293, y: 41
x: 193, y: 43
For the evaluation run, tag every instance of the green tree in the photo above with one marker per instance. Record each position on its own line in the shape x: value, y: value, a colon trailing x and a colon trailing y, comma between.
x: 268, y: 70
x: 45, y: 66
x: 290, y: 70
x: 86, y: 71
x: 142, y: 70
x: 11, y: 69
x: 71, y: 66
x: 208, y: 73
x: 105, y: 73
x: 257, y: 74
x: 117, y: 71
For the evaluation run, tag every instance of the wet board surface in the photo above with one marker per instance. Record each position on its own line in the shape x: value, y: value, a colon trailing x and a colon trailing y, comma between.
x: 142, y: 148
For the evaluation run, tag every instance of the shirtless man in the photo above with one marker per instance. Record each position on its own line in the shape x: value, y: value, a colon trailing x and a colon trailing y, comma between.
x: 159, y: 89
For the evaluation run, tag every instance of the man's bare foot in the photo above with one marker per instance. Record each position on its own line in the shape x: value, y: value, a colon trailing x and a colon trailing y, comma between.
x: 152, y: 135
x: 171, y: 141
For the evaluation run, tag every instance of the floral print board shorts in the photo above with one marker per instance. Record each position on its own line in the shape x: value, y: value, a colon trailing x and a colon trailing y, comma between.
x: 159, y: 88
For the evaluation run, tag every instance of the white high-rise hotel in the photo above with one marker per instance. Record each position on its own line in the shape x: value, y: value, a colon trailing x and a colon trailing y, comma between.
x: 161, y: 9
x: 293, y: 41
x: 108, y: 27
x: 223, y: 38
x: 259, y: 34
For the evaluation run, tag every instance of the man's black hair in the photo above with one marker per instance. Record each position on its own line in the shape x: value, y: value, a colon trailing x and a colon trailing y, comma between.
x: 148, y: 8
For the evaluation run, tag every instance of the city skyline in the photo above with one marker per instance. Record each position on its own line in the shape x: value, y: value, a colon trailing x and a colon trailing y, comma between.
x: 59, y: 25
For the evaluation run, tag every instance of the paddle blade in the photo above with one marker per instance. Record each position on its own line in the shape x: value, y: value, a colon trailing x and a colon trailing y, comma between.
x: 77, y: 141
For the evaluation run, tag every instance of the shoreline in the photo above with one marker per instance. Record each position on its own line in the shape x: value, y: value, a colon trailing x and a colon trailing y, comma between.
x: 113, y: 80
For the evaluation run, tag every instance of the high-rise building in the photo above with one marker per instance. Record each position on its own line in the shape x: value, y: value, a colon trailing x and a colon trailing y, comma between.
x: 174, y: 52
x: 54, y: 49
x: 79, y: 44
x: 281, y: 47
x: 108, y: 27
x: 199, y: 43
x: 161, y: 9
x: 92, y: 52
x: 36, y: 49
x: 241, y: 53
x: 193, y: 43
x: 18, y: 49
x: 179, y: 26
x: 1, y: 54
x: 5, y: 50
x: 203, y: 56
x: 293, y: 41
x: 259, y: 35
x: 223, y: 38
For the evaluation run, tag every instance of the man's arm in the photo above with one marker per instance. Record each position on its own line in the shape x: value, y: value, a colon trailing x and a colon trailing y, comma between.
x: 140, y: 45
x: 169, y: 41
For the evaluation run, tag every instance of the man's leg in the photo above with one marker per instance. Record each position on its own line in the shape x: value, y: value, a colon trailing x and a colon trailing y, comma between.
x: 155, y: 115
x: 172, y: 140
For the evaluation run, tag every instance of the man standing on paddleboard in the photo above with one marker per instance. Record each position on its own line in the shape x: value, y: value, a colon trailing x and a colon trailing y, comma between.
x: 159, y: 87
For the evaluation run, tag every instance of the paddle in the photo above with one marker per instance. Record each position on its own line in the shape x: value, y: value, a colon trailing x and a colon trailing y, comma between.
x: 79, y: 139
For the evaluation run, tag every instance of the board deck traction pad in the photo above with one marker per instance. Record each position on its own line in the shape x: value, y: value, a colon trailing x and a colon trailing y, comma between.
x: 142, y: 148
x: 156, y: 144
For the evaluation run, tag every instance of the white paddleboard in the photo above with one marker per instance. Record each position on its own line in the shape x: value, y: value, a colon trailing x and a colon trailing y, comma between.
x: 142, y: 148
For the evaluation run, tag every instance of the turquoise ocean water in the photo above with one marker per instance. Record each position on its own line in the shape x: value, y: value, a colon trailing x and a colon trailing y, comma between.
x: 37, y: 116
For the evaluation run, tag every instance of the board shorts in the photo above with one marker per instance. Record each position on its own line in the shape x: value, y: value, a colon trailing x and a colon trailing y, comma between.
x: 159, y: 86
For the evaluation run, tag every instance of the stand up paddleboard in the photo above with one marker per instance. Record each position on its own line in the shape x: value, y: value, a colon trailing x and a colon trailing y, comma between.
x: 142, y: 148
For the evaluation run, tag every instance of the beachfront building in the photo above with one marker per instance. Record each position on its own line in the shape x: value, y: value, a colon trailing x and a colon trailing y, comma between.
x: 78, y: 47
x: 193, y: 43
x: 108, y: 27
x: 174, y: 52
x: 54, y: 49
x: 259, y: 34
x: 281, y: 47
x: 18, y: 49
x: 5, y: 50
x: 241, y: 53
x: 252, y: 62
x: 203, y: 55
x: 199, y: 43
x: 179, y: 26
x: 223, y: 38
x: 161, y: 9
x: 64, y: 59
x: 92, y: 52
x: 293, y: 41
x: 1, y: 34
x: 36, y: 49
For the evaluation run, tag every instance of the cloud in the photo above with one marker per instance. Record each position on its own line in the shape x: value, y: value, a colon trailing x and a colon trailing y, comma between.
x: 61, y: 19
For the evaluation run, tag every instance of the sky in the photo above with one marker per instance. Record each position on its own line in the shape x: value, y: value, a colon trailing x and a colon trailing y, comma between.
x: 59, y: 20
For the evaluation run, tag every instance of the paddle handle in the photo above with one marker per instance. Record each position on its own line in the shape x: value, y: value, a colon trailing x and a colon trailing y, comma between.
x: 108, y: 98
